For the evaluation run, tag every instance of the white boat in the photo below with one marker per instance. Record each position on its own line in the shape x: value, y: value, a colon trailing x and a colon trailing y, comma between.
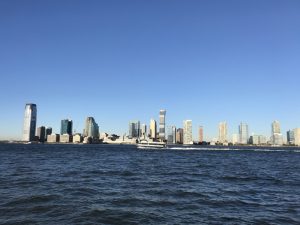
x: 151, y: 145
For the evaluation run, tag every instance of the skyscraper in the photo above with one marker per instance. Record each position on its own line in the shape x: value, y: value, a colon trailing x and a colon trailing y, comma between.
x: 143, y: 131
x: 91, y: 128
x: 134, y: 129
x: 276, y: 136
x: 275, y: 127
x: 187, y: 132
x: 171, y: 135
x: 29, y: 125
x: 243, y: 133
x: 66, y: 127
x: 200, y: 133
x: 162, y: 124
x: 222, y: 132
x: 41, y: 133
x: 179, y: 136
x: 296, y: 132
x: 290, y: 137
x: 153, y: 129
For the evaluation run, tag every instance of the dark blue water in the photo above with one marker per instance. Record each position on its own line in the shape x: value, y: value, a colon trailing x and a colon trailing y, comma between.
x: 105, y: 184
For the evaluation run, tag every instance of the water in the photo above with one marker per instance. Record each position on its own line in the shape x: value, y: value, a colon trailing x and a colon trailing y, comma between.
x: 106, y: 184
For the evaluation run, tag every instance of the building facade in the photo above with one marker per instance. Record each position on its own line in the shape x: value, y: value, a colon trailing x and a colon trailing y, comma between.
x: 41, y: 133
x: 187, y: 132
x: 223, y: 132
x: 290, y: 137
x: 243, y: 133
x: 162, y: 124
x: 179, y: 136
x: 29, y: 125
x: 296, y: 132
x: 144, y: 131
x: 91, y: 128
x: 276, y: 136
x: 153, y: 129
x: 66, y: 127
x: 200, y: 131
x: 134, y: 129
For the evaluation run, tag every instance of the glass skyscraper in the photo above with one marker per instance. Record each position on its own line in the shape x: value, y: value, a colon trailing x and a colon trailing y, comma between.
x: 243, y: 133
x: 162, y: 124
x: 29, y: 124
x: 91, y: 128
x: 66, y: 127
x: 134, y: 129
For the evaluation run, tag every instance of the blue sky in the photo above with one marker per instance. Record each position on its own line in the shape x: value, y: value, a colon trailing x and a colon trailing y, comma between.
x: 208, y: 61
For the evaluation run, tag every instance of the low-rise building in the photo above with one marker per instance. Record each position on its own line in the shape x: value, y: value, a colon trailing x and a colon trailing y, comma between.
x: 53, y: 138
x: 65, y: 138
x: 77, y: 138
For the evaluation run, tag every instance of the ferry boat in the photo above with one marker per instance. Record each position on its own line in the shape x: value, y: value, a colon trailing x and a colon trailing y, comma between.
x: 151, y: 145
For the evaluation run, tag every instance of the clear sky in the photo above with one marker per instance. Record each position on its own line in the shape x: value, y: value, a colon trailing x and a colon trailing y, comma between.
x: 204, y: 60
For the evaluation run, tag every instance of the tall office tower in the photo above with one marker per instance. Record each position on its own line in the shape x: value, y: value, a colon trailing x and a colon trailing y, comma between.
x: 48, y: 132
x: 174, y: 134
x: 243, y: 133
x: 134, y: 129
x: 91, y: 128
x: 66, y: 127
x: 290, y: 137
x: 171, y: 135
x: 187, y: 132
x: 222, y: 132
x: 179, y: 136
x: 162, y: 124
x: 153, y: 129
x: 200, y: 133
x: 143, y: 131
x: 41, y: 133
x: 296, y: 132
x: 29, y: 124
x: 276, y: 136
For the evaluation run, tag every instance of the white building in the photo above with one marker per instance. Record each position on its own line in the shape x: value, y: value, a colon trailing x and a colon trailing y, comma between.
x: 235, y: 139
x: 153, y: 129
x: 222, y: 132
x: 187, y: 132
x: 297, y: 136
x: 276, y: 136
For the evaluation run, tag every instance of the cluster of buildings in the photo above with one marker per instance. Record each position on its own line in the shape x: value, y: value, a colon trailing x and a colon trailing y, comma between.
x: 156, y: 132
x: 44, y: 134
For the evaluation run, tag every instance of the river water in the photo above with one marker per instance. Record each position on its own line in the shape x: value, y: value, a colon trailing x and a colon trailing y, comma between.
x: 115, y: 184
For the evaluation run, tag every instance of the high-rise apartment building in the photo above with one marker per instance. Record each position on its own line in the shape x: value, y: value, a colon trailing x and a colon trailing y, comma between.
x: 91, y: 128
x: 200, y: 133
x: 222, y: 132
x: 235, y: 139
x: 187, y: 132
x: 243, y: 133
x: 275, y: 127
x: 276, y: 136
x: 29, y: 125
x: 153, y: 129
x: 179, y: 136
x: 134, y: 129
x: 296, y: 132
x: 162, y: 124
x: 66, y: 127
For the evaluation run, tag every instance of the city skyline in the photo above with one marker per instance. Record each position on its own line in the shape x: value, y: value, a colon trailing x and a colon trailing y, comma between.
x: 240, y: 60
